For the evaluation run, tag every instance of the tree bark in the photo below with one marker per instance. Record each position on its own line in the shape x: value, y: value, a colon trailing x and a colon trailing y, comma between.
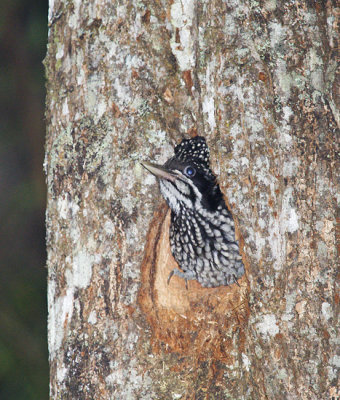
x: 126, y: 81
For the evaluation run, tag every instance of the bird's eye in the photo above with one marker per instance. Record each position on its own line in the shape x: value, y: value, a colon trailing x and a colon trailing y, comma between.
x: 190, y: 171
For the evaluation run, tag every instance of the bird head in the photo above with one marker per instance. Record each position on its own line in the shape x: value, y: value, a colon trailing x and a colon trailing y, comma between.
x: 186, y: 180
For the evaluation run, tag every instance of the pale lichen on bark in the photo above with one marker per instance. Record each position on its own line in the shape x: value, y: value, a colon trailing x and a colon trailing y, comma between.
x: 126, y: 81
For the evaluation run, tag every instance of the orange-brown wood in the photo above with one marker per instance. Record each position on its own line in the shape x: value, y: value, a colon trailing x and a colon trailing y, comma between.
x: 193, y: 320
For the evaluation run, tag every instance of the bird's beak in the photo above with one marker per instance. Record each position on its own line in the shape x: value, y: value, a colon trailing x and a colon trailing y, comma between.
x: 159, y: 171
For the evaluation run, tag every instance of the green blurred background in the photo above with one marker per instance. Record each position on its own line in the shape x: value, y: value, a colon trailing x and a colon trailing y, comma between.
x: 23, y: 308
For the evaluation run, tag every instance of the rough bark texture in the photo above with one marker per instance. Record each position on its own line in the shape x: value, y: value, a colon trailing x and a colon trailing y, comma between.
x: 125, y: 82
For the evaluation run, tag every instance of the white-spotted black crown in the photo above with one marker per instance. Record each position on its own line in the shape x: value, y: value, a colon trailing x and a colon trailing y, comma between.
x: 196, y: 152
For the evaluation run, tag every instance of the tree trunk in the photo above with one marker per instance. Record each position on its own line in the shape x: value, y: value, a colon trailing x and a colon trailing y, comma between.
x: 126, y: 81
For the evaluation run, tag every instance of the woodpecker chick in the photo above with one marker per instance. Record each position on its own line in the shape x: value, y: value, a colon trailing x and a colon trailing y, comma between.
x: 202, y: 230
